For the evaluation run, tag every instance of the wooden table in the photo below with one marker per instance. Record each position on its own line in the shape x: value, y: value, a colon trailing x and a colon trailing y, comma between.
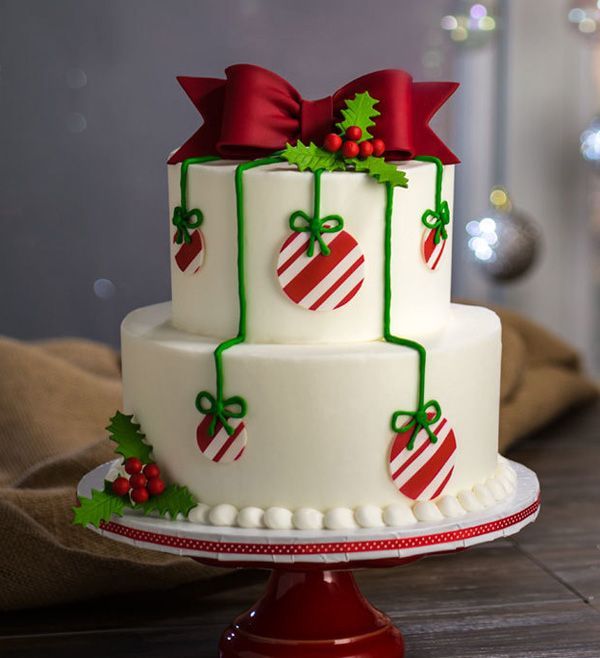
x: 536, y: 595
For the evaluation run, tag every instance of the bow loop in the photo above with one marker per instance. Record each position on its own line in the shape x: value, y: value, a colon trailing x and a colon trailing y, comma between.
x: 184, y: 220
x: 301, y: 222
x: 253, y: 112
x: 221, y: 410
x: 437, y: 220
x: 424, y: 417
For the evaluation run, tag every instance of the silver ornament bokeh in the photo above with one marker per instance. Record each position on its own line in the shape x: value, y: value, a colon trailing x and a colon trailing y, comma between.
x: 590, y: 143
x: 471, y: 24
x: 505, y: 244
x: 584, y: 16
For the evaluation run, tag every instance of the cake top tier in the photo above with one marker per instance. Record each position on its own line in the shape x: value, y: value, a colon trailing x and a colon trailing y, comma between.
x: 253, y: 112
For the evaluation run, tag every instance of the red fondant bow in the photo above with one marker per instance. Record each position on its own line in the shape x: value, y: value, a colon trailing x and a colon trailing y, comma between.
x: 254, y: 112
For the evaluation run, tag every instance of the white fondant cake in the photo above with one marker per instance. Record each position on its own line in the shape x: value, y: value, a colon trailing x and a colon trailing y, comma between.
x: 310, y: 371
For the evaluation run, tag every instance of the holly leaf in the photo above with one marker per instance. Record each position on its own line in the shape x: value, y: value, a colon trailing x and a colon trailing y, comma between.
x: 173, y: 500
x: 102, y: 506
x: 130, y: 441
x: 312, y: 157
x: 381, y: 171
x: 359, y: 111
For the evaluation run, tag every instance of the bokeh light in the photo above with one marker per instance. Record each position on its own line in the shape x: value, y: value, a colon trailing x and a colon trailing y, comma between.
x: 471, y: 23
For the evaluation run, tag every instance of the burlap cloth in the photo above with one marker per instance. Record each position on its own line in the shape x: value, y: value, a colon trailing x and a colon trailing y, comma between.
x: 55, y: 399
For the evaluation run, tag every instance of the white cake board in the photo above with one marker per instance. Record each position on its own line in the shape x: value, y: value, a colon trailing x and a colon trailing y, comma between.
x: 324, y: 547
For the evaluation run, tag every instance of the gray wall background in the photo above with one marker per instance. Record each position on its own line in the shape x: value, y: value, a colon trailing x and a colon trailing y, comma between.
x: 90, y: 108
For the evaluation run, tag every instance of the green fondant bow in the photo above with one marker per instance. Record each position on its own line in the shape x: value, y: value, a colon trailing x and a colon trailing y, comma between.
x: 221, y: 410
x: 316, y: 226
x: 437, y: 220
x: 426, y: 415
x: 184, y: 220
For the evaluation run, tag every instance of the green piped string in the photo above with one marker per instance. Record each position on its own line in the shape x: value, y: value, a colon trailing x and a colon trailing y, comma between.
x: 220, y: 407
x: 316, y: 225
x: 427, y: 413
x: 436, y: 219
x: 184, y: 219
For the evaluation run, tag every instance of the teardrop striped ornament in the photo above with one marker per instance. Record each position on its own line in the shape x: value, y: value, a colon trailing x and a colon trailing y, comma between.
x: 318, y: 282
x: 432, y: 253
x: 189, y: 256
x: 222, y: 447
x: 423, y: 472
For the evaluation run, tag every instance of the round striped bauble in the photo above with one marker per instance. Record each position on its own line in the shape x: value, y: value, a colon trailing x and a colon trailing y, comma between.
x: 319, y: 282
x: 423, y: 472
x: 432, y: 252
x: 222, y: 448
x: 189, y: 256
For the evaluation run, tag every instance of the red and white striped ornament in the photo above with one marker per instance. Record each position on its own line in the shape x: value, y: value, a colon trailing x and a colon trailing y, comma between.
x: 423, y: 472
x: 432, y: 253
x: 189, y: 256
x: 318, y: 282
x: 222, y: 447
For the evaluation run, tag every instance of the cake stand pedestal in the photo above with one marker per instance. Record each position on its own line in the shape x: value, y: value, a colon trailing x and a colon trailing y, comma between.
x: 312, y: 607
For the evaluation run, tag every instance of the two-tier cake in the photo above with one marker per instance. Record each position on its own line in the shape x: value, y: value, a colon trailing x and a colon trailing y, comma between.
x: 310, y: 371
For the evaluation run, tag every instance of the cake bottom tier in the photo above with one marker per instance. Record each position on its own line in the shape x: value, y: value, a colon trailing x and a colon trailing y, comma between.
x: 316, y: 448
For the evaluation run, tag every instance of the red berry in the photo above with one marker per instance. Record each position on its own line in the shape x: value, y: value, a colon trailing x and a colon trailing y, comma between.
x: 353, y: 133
x: 378, y: 147
x: 155, y: 486
x: 365, y: 149
x: 350, y: 149
x: 140, y: 495
x: 120, y: 486
x: 151, y: 471
x: 133, y: 465
x: 138, y: 480
x: 332, y: 143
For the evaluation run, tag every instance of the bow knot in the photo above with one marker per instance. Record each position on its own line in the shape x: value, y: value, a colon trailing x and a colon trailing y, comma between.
x: 221, y: 410
x: 301, y: 222
x: 437, y: 220
x: 184, y: 220
x: 424, y: 417
x: 253, y: 112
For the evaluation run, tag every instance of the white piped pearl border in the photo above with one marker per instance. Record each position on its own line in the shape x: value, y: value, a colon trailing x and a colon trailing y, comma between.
x: 481, y: 496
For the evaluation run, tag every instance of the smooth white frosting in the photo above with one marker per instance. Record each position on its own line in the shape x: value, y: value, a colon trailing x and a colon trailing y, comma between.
x: 207, y: 303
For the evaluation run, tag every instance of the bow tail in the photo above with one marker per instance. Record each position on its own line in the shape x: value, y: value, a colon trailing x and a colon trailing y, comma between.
x: 208, y: 95
x: 428, y: 97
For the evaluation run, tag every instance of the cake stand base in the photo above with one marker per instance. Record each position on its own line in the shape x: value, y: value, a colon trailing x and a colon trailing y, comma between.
x: 310, y: 614
x: 312, y: 607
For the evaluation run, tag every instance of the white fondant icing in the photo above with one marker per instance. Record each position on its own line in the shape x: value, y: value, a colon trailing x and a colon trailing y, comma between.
x: 278, y: 518
x: 398, y: 514
x: 207, y: 304
x: 426, y: 510
x: 307, y: 518
x: 223, y: 514
x: 450, y: 507
x: 318, y: 415
x: 484, y: 495
x: 469, y: 501
x: 339, y: 518
x: 368, y: 516
x: 251, y: 517
x: 199, y: 514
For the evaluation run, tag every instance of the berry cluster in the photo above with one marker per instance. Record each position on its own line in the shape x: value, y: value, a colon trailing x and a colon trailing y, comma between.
x: 351, y: 147
x: 144, y: 481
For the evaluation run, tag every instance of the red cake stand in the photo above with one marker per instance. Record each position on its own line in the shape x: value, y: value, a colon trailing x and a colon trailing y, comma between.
x: 312, y: 607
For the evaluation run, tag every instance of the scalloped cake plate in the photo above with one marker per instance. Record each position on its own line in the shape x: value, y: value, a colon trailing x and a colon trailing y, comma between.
x: 321, y: 546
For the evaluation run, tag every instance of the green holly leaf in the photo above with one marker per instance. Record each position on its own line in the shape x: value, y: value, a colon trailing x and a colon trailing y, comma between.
x: 130, y: 441
x: 359, y: 111
x: 381, y: 171
x: 102, y: 506
x: 173, y: 500
x: 312, y: 157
